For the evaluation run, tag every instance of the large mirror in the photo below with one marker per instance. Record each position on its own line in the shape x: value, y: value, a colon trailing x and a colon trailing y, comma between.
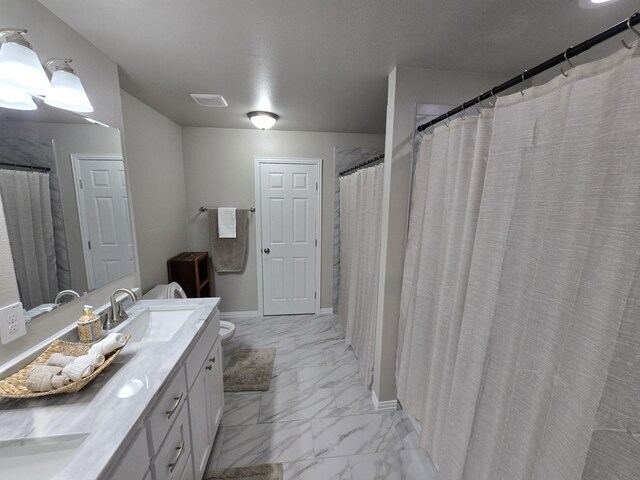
x: 64, y: 197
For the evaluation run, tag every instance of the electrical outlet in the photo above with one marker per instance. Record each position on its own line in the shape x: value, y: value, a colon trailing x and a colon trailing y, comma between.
x: 12, y: 323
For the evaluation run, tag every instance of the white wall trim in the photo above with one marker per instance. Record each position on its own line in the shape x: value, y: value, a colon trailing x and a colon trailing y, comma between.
x: 383, y: 406
x: 326, y: 311
x: 258, y: 223
x: 249, y: 313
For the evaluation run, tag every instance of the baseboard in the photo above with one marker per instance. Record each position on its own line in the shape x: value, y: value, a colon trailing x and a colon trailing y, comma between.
x: 326, y: 311
x: 388, y: 405
x: 253, y: 313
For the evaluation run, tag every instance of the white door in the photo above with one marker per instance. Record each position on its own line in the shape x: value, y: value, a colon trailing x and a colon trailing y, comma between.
x: 103, y: 206
x: 289, y: 210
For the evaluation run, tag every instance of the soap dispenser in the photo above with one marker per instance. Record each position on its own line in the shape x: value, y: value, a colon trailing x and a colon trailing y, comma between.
x: 89, y: 328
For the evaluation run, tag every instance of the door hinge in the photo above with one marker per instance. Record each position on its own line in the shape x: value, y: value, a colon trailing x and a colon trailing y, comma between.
x: 81, y: 184
x: 316, y: 186
x: 89, y: 242
x: 316, y: 242
x: 315, y: 294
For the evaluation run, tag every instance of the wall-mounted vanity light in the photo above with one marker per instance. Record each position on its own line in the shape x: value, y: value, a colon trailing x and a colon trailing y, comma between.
x: 263, y: 120
x: 67, y: 91
x: 22, y: 77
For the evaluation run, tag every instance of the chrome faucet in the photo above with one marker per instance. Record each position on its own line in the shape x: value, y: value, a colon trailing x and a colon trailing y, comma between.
x: 118, y: 313
x: 63, y: 293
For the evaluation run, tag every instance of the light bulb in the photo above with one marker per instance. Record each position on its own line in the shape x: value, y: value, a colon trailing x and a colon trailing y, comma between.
x: 21, y: 68
x: 68, y: 93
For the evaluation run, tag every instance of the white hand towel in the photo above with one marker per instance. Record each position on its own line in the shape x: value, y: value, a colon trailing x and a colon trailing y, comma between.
x: 80, y: 368
x: 227, y: 222
x: 95, y: 359
x: 53, y: 370
x: 60, y: 360
x: 112, y: 342
x: 58, y: 381
x: 39, y: 381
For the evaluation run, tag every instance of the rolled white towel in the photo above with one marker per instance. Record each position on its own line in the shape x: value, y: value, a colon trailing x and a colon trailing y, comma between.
x: 60, y: 360
x: 46, y: 368
x: 58, y: 381
x: 95, y: 360
x: 39, y: 381
x: 80, y: 368
x: 112, y: 342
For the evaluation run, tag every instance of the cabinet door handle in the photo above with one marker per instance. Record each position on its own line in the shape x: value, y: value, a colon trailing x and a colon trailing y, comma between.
x: 212, y: 360
x: 267, y: 250
x: 208, y: 367
x: 172, y: 466
x: 175, y: 406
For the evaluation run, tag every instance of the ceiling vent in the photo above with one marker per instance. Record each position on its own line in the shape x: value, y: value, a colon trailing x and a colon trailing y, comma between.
x: 209, y: 100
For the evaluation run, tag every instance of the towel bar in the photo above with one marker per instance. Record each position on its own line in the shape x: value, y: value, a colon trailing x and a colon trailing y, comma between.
x: 204, y: 209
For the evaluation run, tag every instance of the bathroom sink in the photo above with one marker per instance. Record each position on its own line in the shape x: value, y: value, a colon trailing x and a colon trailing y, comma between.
x: 155, y: 324
x: 37, y: 458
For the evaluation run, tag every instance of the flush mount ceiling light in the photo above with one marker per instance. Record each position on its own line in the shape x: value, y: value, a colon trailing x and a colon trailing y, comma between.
x: 209, y: 100
x: 67, y: 91
x: 263, y: 120
x: 595, y: 3
x: 19, y: 64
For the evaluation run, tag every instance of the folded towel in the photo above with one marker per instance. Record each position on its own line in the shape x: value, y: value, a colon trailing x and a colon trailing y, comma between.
x: 58, y: 381
x: 112, y: 342
x: 226, y: 223
x: 228, y: 254
x: 46, y: 368
x: 39, y: 381
x: 95, y: 359
x: 79, y: 368
x: 59, y: 360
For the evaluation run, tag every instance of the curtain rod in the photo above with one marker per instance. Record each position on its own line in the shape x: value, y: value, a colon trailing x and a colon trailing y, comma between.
x: 361, y: 165
x: 28, y: 167
x: 544, y: 66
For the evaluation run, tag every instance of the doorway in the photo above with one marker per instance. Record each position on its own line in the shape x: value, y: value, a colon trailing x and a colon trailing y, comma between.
x: 288, y: 216
x: 103, y: 210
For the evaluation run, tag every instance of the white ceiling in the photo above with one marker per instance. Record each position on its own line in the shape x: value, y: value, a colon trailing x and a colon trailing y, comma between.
x: 322, y: 65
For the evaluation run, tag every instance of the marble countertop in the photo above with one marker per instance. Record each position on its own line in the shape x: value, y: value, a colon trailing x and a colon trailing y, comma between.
x: 97, y: 410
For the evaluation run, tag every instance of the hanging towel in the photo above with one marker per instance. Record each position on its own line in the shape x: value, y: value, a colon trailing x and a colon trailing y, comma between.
x: 227, y: 223
x: 228, y: 254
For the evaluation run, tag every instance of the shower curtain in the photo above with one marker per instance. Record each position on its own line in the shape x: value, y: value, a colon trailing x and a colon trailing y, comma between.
x: 360, y: 216
x: 524, y: 335
x: 27, y: 207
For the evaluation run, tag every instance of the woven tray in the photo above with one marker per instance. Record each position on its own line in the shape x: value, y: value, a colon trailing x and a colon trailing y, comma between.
x: 15, y: 386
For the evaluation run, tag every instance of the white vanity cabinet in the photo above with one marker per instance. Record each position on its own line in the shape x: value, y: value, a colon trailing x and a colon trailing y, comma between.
x: 206, y: 396
x: 179, y: 429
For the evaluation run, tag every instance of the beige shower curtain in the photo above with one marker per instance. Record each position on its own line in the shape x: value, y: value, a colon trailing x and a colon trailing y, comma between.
x: 523, y: 376
x: 360, y: 216
x: 27, y: 207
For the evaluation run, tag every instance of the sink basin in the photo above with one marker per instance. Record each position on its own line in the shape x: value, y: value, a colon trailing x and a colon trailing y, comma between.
x: 37, y: 458
x: 155, y: 324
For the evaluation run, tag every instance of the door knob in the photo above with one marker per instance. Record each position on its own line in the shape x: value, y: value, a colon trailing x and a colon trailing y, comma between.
x: 267, y: 250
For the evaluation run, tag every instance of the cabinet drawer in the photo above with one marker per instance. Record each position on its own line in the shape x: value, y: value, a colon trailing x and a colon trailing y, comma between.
x: 199, y: 353
x: 175, y: 452
x: 164, y: 412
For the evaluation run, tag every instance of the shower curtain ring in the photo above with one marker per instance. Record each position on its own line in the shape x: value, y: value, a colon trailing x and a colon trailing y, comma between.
x: 522, y: 91
x: 566, y: 59
x: 445, y: 121
x: 632, y: 27
x: 493, y: 95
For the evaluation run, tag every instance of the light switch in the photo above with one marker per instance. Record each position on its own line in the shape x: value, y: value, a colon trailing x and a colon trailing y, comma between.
x: 12, y: 323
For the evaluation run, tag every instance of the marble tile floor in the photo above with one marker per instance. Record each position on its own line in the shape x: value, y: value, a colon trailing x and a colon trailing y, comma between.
x: 317, y: 418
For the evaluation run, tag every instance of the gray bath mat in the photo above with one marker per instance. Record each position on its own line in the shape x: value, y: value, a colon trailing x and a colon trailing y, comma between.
x: 258, y: 472
x: 249, y: 370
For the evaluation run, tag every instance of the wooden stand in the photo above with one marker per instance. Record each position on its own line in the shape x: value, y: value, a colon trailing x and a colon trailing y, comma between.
x: 192, y: 271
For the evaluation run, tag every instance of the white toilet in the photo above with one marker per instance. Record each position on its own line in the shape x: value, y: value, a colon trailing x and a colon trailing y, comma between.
x: 173, y: 291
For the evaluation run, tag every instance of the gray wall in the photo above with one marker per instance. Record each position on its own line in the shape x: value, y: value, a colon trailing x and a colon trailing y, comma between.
x: 219, y: 172
x: 156, y: 176
x: 53, y: 38
x: 407, y: 87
